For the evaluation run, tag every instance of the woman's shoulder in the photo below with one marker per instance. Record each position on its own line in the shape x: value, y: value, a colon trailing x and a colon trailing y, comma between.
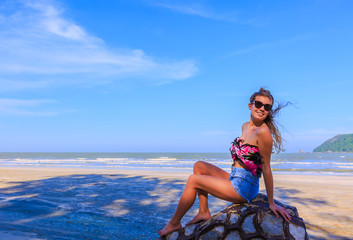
x: 246, y: 124
x: 264, y: 133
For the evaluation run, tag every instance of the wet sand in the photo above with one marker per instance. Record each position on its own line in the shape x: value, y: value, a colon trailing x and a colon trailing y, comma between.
x: 63, y: 203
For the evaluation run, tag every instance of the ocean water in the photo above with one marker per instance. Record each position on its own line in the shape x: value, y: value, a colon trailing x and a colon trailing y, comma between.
x: 300, y: 163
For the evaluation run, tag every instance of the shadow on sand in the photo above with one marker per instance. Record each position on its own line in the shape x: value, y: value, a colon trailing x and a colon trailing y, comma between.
x: 287, y: 196
x: 92, y: 206
x: 97, y: 206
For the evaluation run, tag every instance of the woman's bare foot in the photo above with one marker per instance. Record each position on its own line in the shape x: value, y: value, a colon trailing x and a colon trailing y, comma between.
x: 169, y: 228
x: 199, y: 218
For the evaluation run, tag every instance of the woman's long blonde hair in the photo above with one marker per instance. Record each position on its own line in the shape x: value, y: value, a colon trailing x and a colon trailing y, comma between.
x: 270, y: 120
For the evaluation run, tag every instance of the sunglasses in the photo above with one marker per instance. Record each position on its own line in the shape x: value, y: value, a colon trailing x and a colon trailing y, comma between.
x: 259, y: 105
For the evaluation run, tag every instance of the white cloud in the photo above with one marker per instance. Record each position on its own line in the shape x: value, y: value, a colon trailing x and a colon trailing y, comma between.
x: 309, y: 139
x: 15, y: 85
x: 196, y: 9
x: 40, y: 46
x: 53, y: 22
x: 18, y: 106
x: 217, y: 133
x: 317, y: 134
x: 337, y: 83
x: 268, y: 45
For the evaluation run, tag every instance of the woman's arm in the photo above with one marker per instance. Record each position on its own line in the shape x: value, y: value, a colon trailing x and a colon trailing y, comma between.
x: 265, y: 148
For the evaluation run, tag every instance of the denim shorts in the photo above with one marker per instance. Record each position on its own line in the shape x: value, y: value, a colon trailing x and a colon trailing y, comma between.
x: 244, y: 183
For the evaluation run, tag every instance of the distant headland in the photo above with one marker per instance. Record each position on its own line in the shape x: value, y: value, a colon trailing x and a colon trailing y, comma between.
x: 339, y: 143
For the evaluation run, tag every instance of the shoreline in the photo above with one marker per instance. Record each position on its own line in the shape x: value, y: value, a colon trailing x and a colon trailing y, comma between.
x: 301, y: 172
x: 282, y: 163
x: 323, y: 201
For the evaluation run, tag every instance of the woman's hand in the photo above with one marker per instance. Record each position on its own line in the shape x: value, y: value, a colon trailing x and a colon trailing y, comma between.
x: 278, y: 209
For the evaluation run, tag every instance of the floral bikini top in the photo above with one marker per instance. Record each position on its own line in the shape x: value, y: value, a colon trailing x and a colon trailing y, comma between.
x: 247, y: 155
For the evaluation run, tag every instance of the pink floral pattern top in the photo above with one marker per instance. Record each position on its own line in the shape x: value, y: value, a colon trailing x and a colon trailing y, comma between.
x: 247, y: 155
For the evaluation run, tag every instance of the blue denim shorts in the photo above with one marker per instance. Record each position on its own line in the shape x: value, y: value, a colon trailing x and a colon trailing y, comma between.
x: 244, y: 183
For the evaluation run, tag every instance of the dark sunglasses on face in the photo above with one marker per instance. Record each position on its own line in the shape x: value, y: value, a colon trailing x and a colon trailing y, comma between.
x: 259, y: 104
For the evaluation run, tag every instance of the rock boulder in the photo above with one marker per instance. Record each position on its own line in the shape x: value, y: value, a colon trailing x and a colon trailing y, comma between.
x: 252, y: 220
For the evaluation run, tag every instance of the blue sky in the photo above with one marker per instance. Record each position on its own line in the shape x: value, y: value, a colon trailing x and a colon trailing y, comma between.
x: 170, y: 76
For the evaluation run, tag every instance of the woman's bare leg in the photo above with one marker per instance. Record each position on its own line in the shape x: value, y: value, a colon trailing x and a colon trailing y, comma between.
x: 218, y: 187
x: 204, y: 168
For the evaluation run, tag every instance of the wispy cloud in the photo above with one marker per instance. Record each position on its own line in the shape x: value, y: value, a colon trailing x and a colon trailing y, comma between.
x: 196, y: 9
x: 309, y: 139
x: 334, y: 84
x: 16, y: 85
x: 317, y: 134
x: 215, y: 133
x: 40, y: 46
x: 20, y: 107
x: 260, y: 46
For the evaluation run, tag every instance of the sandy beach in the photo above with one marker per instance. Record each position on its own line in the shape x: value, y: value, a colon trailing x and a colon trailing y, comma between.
x: 78, y: 203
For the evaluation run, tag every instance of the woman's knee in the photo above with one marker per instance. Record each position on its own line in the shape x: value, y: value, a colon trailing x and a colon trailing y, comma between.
x: 197, y: 181
x: 199, y: 167
x: 192, y: 179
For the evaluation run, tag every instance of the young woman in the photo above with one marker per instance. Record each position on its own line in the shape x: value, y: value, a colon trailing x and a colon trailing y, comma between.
x: 251, y: 154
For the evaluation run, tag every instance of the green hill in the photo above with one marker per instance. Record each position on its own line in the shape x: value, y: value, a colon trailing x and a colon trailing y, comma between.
x: 339, y: 143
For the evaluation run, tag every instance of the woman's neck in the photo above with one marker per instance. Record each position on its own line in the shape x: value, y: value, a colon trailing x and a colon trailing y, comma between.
x: 254, y: 123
